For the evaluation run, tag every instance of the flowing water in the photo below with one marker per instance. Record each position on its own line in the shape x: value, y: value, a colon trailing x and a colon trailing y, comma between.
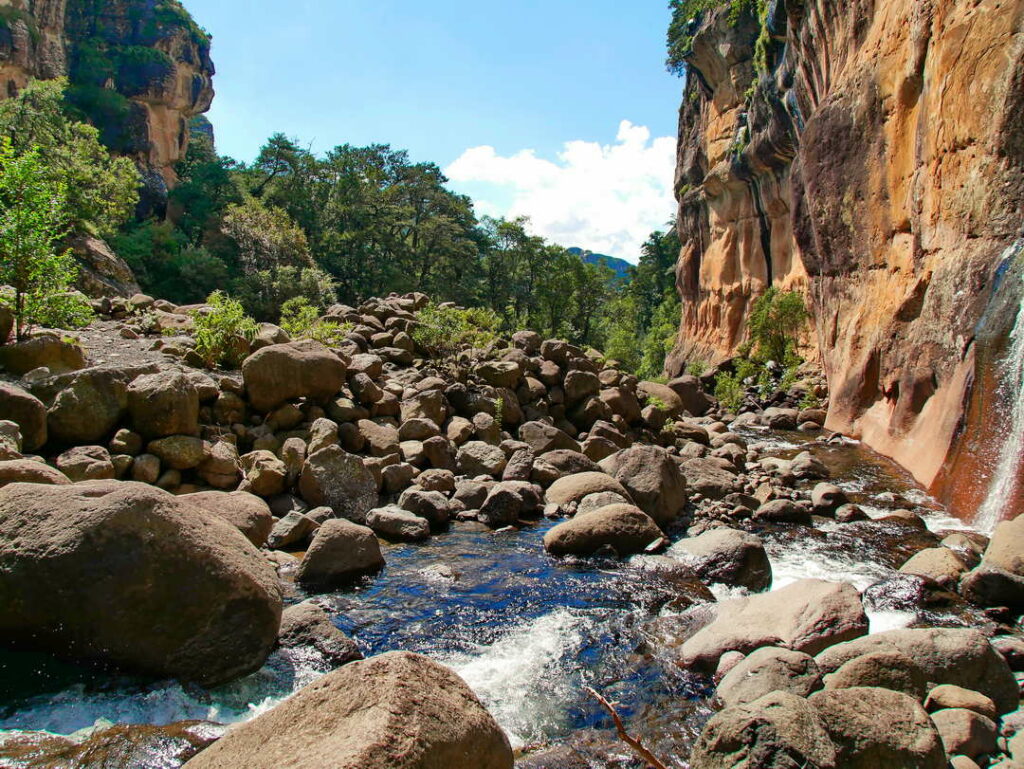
x: 526, y: 631
x: 1006, y: 475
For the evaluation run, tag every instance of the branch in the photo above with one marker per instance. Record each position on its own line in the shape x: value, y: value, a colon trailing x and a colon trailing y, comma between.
x: 634, y: 743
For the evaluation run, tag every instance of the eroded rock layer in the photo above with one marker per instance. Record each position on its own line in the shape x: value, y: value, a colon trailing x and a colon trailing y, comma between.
x: 871, y: 154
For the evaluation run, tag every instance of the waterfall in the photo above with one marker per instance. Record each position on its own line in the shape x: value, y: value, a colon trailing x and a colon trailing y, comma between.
x: 1005, y: 477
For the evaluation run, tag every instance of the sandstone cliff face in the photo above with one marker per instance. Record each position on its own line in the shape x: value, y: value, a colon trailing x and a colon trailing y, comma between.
x: 139, y: 69
x: 876, y: 162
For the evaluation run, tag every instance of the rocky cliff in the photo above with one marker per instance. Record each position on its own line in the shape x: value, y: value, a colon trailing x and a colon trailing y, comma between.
x: 139, y: 70
x: 871, y: 154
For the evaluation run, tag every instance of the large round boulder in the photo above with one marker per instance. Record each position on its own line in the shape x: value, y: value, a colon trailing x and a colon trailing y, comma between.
x: 624, y: 528
x: 653, y: 479
x: 88, y: 406
x: 306, y: 626
x: 777, y: 731
x: 808, y: 616
x: 164, y: 404
x: 30, y: 471
x: 573, y: 488
x: 128, y: 574
x: 246, y: 512
x: 27, y: 411
x: 341, y: 551
x: 395, y: 711
x: 281, y: 372
x: 768, y: 670
x: 956, y: 656
x: 879, y: 729
x: 45, y: 350
x: 727, y: 556
x: 341, y: 481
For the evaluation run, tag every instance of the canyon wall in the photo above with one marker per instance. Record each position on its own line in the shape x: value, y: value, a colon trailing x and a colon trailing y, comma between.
x: 140, y: 70
x: 870, y: 154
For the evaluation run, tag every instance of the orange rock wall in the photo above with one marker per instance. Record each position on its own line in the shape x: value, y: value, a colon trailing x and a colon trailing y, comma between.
x: 878, y: 165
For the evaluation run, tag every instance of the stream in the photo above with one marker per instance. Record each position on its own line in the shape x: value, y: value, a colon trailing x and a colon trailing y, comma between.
x: 528, y: 632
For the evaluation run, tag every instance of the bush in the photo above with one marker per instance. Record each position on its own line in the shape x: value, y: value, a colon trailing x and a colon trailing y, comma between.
x: 302, y: 321
x: 443, y: 331
x: 265, y: 293
x: 220, y: 331
x: 775, y: 322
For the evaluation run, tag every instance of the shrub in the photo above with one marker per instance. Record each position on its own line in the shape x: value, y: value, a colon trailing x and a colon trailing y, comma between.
x: 443, y: 331
x: 729, y: 391
x: 220, y: 329
x: 776, y: 320
x: 302, y: 321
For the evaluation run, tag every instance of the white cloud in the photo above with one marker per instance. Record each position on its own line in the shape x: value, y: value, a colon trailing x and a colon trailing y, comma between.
x: 607, y: 198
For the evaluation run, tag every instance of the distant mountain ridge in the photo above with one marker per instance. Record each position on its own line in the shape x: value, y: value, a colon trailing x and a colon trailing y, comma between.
x: 620, y: 266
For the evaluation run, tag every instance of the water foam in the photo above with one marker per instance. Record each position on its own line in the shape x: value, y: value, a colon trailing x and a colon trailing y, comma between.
x: 526, y: 677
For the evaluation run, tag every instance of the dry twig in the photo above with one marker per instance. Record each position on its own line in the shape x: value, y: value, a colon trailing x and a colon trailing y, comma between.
x: 634, y: 743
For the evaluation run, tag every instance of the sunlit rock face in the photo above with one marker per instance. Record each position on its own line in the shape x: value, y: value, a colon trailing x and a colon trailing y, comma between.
x: 140, y: 70
x: 877, y: 166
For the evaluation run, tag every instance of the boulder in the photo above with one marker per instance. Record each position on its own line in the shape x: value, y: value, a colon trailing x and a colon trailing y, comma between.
x: 500, y: 373
x: 965, y: 732
x: 339, y: 480
x: 653, y: 479
x: 826, y: 498
x: 394, y: 711
x: 430, y: 505
x: 885, y: 670
x: 946, y: 655
x: 542, y: 438
x: 128, y: 574
x: 709, y: 478
x: 624, y: 528
x: 281, y: 372
x: 164, y: 404
x: 662, y: 397
x: 45, y: 351
x: 939, y: 564
x: 693, y: 397
x: 999, y: 580
x: 306, y: 625
x: 87, y: 407
x: 808, y: 616
x: 86, y: 463
x: 580, y: 385
x: 180, y: 452
x: 777, y: 731
x: 264, y: 474
x: 246, y: 512
x: 949, y: 696
x: 768, y: 670
x: 398, y: 525
x: 341, y: 551
x: 30, y: 471
x: 879, y: 729
x: 293, y: 529
x: 573, y: 488
x: 728, y: 557
x: 25, y: 410
x: 783, y: 511
x: 479, y: 458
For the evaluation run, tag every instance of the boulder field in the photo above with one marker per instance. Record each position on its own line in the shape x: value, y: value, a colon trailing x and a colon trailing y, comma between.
x: 174, y: 521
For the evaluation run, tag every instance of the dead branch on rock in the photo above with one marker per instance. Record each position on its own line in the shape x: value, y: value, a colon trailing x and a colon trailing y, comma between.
x: 635, y: 744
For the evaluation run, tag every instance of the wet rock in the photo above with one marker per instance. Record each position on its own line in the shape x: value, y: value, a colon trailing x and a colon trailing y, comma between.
x: 429, y: 505
x: 341, y: 551
x: 778, y: 730
x: 281, y: 372
x: 306, y: 625
x: 339, y: 480
x: 398, y: 525
x: 1011, y: 648
x: 965, y: 732
x: 768, y: 670
x: 573, y: 488
x: 826, y: 498
x: 783, y: 511
x: 999, y: 580
x: 939, y: 564
x: 198, y: 602
x: 394, y: 711
x: 164, y: 404
x: 808, y: 616
x: 501, y: 507
x: 246, y: 512
x: 86, y: 463
x: 727, y: 556
x: 947, y: 656
x: 805, y: 465
x: 654, y: 481
x: 850, y: 514
x: 949, y: 696
x: 879, y: 729
x: 886, y: 670
x: 625, y: 528
x: 25, y: 410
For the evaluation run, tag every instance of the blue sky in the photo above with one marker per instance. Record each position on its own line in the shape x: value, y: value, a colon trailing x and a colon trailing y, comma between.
x: 558, y: 110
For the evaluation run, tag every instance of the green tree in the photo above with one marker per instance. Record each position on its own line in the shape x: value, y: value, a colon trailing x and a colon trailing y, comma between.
x: 775, y: 322
x: 33, y: 220
x: 101, y: 191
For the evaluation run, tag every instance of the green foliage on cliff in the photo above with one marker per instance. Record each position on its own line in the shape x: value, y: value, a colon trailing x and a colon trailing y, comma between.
x: 101, y: 191
x: 686, y: 17
x: 9, y: 15
x: 33, y: 221
x: 171, y: 13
